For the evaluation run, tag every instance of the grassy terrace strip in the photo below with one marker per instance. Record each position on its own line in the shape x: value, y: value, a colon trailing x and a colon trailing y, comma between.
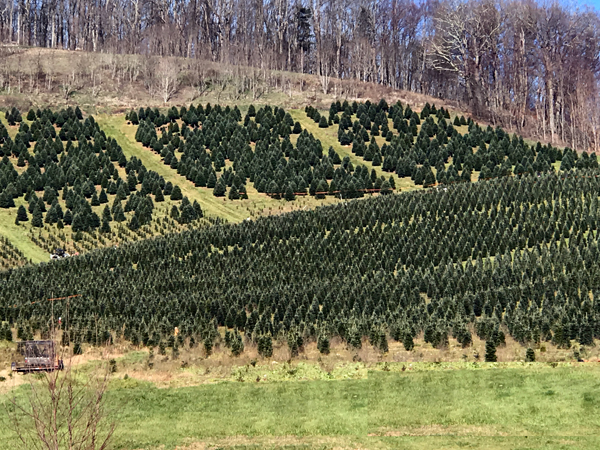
x: 115, y: 126
x: 520, y: 406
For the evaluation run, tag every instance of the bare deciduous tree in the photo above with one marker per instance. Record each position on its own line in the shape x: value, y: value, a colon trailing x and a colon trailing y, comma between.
x: 168, y: 79
x: 62, y: 411
x: 517, y: 63
x: 325, y: 77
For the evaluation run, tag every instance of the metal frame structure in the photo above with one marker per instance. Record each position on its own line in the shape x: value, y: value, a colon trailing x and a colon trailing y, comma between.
x: 38, y: 356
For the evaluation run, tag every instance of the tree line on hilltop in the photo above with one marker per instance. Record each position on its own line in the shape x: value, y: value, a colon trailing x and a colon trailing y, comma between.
x: 519, y: 64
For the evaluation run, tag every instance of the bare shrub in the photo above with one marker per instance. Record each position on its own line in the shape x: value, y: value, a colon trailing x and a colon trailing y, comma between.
x: 62, y: 410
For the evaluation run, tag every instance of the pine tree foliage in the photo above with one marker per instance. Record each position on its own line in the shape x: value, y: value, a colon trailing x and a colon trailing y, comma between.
x: 413, y: 152
x: 440, y: 262
x: 514, y: 255
x: 273, y: 164
x: 71, y: 158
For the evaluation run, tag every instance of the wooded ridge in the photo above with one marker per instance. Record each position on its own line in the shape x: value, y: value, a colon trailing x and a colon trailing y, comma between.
x: 517, y: 64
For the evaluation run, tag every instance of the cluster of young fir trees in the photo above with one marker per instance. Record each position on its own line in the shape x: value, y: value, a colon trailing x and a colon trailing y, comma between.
x: 10, y: 256
x: 514, y: 255
x: 71, y: 164
x: 259, y: 149
x: 414, y: 152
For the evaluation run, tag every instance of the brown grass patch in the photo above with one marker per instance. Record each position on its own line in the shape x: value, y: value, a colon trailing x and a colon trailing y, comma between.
x: 445, y: 430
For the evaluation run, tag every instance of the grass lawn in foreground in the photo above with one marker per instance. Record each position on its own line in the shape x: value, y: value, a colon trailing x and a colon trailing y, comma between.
x: 530, y: 407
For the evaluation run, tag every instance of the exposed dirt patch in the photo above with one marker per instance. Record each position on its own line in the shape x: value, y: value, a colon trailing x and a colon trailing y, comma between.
x: 333, y: 443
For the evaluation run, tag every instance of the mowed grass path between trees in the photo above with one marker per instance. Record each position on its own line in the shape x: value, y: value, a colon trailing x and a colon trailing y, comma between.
x: 532, y: 406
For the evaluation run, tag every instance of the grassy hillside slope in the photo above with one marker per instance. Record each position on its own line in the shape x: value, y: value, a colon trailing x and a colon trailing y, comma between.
x: 36, y: 244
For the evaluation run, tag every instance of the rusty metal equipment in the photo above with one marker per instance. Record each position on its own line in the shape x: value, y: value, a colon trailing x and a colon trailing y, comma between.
x: 37, y: 356
x: 59, y: 253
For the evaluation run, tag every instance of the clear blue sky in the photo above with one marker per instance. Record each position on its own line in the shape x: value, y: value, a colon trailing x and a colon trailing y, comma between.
x: 593, y: 3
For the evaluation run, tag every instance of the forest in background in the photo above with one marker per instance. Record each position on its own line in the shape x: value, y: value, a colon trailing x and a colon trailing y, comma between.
x: 527, y: 66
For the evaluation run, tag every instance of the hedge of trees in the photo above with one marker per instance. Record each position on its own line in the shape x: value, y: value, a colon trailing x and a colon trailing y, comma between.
x: 64, y: 156
x: 259, y: 149
x: 514, y: 255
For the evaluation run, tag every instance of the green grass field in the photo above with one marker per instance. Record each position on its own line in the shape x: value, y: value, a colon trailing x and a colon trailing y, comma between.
x: 519, y: 406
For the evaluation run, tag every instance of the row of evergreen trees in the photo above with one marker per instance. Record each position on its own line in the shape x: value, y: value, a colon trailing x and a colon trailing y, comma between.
x: 415, y: 153
x: 274, y: 165
x: 513, y: 256
x: 200, y: 148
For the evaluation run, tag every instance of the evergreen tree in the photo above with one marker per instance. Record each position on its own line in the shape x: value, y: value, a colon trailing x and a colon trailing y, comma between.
x: 176, y: 194
x: 265, y: 346
x: 289, y: 193
x: 36, y: 220
x: 134, y: 224
x: 323, y: 344
x: 295, y: 342
x: 121, y: 192
x: 174, y: 212
x: 208, y: 345
x: 118, y: 213
x: 408, y: 342
x: 79, y: 223
x: 103, y: 197
x: 158, y: 194
x: 237, y: 345
x: 93, y: 220
x: 530, y: 355
x: 233, y: 193
x: 197, y: 209
x: 385, y: 188
x: 490, y: 350
x: 106, y: 215
x: 4, y: 203
x: 220, y: 188
x: 188, y: 214
x: 105, y: 228
x: 429, y: 179
x: 212, y: 181
x: 68, y: 217
x: 382, y: 343
x: 51, y: 215
x: 22, y: 214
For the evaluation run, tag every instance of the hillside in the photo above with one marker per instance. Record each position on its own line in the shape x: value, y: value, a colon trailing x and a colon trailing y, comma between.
x: 522, y: 64
x: 369, y: 253
x: 314, y: 224
x: 342, y: 137
x: 35, y: 243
